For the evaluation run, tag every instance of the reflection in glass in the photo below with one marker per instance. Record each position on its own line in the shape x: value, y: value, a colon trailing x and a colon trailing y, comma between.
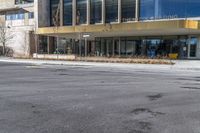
x: 81, y: 11
x: 169, y: 9
x: 67, y: 18
x: 54, y: 12
x: 128, y: 10
x: 95, y: 11
x: 193, y: 46
x: 111, y: 10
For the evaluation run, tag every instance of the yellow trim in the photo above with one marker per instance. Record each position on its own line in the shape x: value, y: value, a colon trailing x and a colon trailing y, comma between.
x: 135, y: 26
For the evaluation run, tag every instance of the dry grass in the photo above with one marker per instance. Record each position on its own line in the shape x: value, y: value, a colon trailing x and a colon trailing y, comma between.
x: 118, y: 60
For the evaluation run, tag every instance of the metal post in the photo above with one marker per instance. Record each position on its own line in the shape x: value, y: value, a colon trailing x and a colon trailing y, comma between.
x: 113, y: 47
x: 57, y: 47
x: 103, y: 12
x: 188, y: 50
x: 85, y: 37
x: 74, y: 12
x: 61, y: 12
x: 80, y: 44
x: 85, y: 46
x: 119, y: 11
x: 119, y: 46
x: 88, y: 12
x: 48, y: 47
x: 36, y: 43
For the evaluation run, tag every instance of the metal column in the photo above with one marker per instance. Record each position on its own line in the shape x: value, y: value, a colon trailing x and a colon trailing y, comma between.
x: 88, y: 12
x: 103, y: 12
x: 119, y: 11
x: 74, y: 12
x: 137, y: 8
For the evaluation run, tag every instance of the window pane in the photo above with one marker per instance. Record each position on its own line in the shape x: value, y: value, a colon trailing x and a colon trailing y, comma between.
x: 54, y: 11
x: 169, y: 9
x: 81, y: 12
x: 128, y: 10
x: 96, y: 11
x: 31, y: 15
x: 193, y: 46
x: 67, y: 20
x: 111, y: 10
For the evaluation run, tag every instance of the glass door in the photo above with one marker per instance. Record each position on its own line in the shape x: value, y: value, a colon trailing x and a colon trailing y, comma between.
x: 153, y: 46
x: 192, y: 47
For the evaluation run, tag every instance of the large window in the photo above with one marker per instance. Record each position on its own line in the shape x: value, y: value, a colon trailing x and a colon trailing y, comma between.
x: 111, y: 10
x: 128, y: 10
x: 54, y: 12
x: 169, y: 9
x: 67, y: 18
x: 95, y: 11
x: 15, y: 15
x: 81, y: 11
x: 23, y: 1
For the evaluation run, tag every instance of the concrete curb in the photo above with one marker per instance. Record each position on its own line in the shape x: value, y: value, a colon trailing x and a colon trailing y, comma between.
x: 179, y: 65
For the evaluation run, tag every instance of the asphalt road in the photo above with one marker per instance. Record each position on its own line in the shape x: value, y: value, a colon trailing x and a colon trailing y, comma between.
x: 87, y: 99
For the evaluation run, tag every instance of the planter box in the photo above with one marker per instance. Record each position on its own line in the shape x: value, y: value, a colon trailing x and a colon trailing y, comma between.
x: 54, y: 56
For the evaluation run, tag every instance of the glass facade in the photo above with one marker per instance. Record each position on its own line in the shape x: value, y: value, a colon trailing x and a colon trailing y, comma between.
x: 95, y: 11
x: 128, y: 10
x: 149, y: 47
x: 148, y: 10
x: 81, y: 12
x: 168, y: 9
x: 67, y: 12
x: 111, y: 9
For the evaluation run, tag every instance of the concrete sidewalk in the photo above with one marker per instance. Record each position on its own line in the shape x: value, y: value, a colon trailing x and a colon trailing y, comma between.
x: 179, y: 64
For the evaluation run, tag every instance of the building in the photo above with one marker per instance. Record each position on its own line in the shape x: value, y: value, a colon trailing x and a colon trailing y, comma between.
x: 17, y: 16
x: 119, y: 28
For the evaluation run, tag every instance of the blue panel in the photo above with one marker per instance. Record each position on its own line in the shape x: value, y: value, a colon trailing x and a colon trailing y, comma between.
x: 169, y: 9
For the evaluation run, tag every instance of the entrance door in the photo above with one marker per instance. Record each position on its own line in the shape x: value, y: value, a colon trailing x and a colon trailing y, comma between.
x: 153, y: 47
x: 192, y: 47
x: 109, y: 47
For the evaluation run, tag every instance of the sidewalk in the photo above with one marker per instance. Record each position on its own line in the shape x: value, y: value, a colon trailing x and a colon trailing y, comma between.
x: 179, y: 64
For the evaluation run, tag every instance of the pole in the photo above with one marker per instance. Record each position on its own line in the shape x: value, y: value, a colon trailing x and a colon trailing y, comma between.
x: 79, y: 44
x: 85, y: 46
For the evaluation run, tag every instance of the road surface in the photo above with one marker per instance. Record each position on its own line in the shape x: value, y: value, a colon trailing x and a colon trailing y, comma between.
x: 89, y: 99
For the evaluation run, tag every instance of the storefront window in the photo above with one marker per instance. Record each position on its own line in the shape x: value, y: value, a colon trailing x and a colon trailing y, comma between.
x: 111, y: 10
x: 95, y: 11
x: 123, y: 47
x: 128, y: 10
x: 193, y: 46
x: 149, y: 47
x: 42, y: 49
x: 67, y: 18
x: 81, y: 12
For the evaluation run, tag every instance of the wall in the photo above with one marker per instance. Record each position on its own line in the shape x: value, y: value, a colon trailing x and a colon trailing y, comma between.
x: 198, y: 48
x: 42, y: 13
x: 7, y: 4
x: 22, y: 41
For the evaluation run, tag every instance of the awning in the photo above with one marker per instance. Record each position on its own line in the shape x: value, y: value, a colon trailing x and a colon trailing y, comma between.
x: 168, y: 27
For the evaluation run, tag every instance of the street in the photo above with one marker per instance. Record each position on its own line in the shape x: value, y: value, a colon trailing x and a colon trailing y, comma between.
x: 90, y: 99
